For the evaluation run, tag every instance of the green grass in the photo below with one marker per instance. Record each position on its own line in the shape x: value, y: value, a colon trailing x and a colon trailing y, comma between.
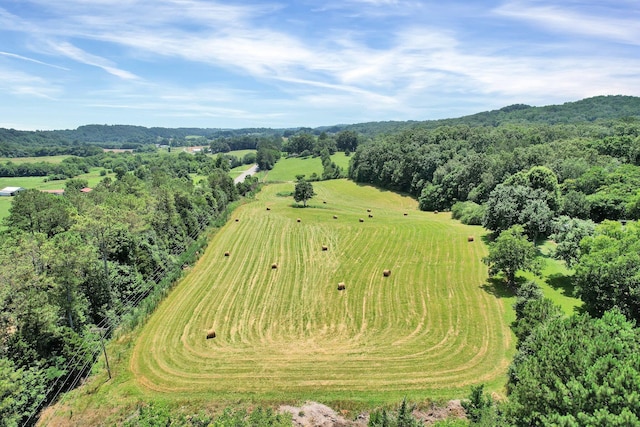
x: 428, y: 331
x: 235, y: 172
x: 240, y: 153
x: 21, y: 160
x: 555, y: 280
x: 5, y: 204
x: 38, y: 182
x: 286, y: 169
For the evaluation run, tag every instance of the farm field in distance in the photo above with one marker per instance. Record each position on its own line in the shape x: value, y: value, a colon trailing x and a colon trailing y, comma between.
x: 39, y: 183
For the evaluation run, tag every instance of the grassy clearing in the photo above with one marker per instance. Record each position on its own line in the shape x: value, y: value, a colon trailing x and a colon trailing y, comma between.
x: 39, y: 183
x: 428, y: 331
x: 286, y: 169
x: 555, y: 280
x: 21, y: 160
x: 5, y: 204
x: 240, y: 153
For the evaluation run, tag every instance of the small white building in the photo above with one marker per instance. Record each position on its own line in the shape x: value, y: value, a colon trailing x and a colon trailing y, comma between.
x: 11, y: 191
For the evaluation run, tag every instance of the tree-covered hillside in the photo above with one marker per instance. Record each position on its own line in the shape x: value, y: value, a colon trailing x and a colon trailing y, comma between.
x: 17, y: 143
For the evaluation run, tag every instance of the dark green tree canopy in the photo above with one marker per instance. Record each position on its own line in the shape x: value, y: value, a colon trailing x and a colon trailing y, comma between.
x: 568, y: 233
x: 577, y: 371
x: 511, y: 252
x: 608, y: 271
x: 303, y: 191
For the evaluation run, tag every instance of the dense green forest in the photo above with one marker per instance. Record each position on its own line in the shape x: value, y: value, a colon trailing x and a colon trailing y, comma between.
x: 74, y: 267
x: 17, y: 143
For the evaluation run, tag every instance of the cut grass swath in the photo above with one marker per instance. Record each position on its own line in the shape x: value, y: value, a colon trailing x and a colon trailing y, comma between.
x: 429, y: 328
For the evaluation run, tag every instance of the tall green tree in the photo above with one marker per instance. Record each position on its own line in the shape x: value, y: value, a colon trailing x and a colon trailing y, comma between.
x: 303, y: 191
x: 511, y: 252
x: 577, y: 371
x: 568, y: 233
x: 608, y: 271
x: 37, y: 212
x: 347, y: 140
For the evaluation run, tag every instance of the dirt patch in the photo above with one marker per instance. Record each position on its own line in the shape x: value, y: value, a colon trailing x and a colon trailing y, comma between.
x: 314, y: 414
x: 453, y: 409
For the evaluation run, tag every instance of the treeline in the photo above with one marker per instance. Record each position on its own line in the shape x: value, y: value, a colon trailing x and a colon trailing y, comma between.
x: 587, y: 110
x: 583, y: 369
x: 595, y: 166
x: 75, y: 266
x: 15, y: 143
x: 68, y: 168
x: 576, y: 183
x: 244, y: 142
x: 91, y: 139
x: 183, y: 163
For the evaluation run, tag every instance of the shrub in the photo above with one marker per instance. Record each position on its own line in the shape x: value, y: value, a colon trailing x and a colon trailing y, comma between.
x: 469, y: 213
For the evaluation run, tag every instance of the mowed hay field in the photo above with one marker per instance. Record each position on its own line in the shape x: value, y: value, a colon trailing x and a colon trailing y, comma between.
x: 428, y: 330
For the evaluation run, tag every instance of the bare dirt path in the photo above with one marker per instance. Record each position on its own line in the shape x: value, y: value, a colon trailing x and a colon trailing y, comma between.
x: 251, y: 171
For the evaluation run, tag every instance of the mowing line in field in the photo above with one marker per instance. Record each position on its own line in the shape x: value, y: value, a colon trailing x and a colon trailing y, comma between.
x: 289, y: 331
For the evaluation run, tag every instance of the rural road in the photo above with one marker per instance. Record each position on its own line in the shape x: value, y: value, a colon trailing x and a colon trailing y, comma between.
x: 252, y: 170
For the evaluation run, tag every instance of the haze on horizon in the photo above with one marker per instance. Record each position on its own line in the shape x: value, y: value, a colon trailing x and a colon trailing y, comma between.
x: 234, y: 64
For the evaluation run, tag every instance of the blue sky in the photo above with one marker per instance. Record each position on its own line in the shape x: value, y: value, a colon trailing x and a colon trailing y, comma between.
x: 233, y: 64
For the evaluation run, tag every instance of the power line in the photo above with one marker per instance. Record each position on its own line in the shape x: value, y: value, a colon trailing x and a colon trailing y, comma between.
x: 108, y: 324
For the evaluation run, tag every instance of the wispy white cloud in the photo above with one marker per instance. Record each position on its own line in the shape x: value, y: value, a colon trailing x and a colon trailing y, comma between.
x: 79, y: 55
x: 560, y: 19
x: 21, y: 83
x: 35, y: 61
x: 280, y: 61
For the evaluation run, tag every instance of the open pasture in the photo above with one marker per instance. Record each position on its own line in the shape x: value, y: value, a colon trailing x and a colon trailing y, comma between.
x: 45, y: 159
x: 429, y: 329
x: 286, y: 169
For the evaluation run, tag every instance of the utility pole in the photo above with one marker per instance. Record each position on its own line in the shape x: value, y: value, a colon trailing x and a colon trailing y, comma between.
x: 104, y: 350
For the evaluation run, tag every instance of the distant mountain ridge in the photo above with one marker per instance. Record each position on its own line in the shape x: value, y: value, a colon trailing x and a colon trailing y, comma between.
x: 130, y: 136
x: 607, y: 107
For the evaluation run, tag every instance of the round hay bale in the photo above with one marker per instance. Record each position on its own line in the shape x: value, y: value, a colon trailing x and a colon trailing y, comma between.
x: 237, y: 219
x: 341, y: 286
x: 386, y: 273
x: 370, y: 216
x: 335, y: 217
x: 211, y: 334
x: 470, y: 239
x: 324, y: 201
x: 298, y: 220
x: 274, y: 265
x: 325, y: 248
x: 405, y: 214
x: 435, y: 212
x: 361, y: 220
x: 227, y: 253
x: 368, y: 210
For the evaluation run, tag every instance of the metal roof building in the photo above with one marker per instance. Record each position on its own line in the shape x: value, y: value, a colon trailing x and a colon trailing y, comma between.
x: 11, y: 191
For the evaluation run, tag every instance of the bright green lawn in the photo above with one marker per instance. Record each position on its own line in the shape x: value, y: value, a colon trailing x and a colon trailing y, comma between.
x: 286, y: 169
x: 5, y: 204
x: 47, y: 159
x: 555, y: 280
x: 240, y: 153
